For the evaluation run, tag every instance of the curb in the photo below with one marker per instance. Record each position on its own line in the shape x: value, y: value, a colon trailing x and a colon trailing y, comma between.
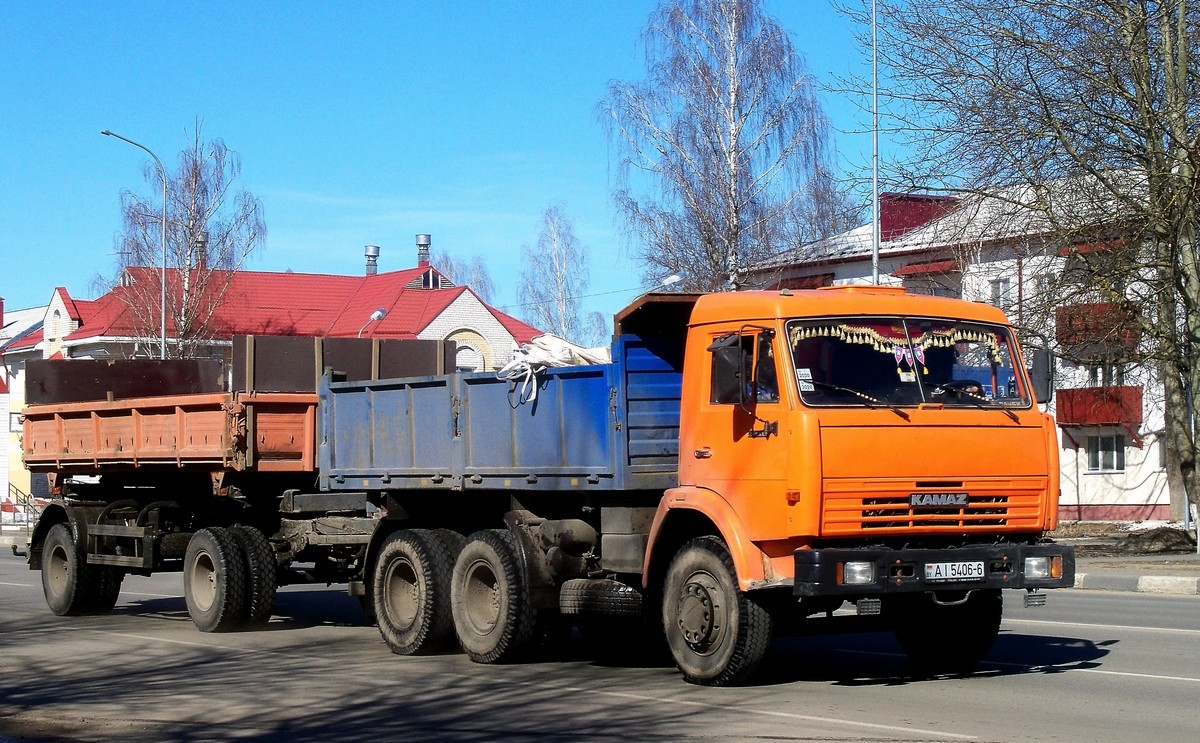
x: 1164, y: 584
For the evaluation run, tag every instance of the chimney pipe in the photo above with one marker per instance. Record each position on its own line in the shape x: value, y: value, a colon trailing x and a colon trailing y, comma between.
x: 372, y: 253
x: 422, y: 249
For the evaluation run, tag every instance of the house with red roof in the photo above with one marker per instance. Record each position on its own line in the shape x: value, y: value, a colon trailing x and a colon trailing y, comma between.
x: 14, y: 327
x: 413, y: 303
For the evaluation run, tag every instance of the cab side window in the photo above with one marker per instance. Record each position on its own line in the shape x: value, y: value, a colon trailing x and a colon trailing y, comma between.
x: 738, y: 376
x: 766, y: 383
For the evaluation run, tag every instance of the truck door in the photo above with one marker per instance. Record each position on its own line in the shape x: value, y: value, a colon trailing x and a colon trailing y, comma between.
x: 740, y: 446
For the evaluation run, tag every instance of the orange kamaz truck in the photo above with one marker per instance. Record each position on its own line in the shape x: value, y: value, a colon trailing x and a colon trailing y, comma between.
x: 749, y: 465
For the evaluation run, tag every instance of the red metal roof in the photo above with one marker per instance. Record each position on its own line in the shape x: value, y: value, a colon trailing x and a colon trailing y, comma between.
x: 900, y: 213
x: 264, y: 303
x: 925, y: 268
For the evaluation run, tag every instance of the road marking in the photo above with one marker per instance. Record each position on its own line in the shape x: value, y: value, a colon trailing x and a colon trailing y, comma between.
x: 1040, y: 668
x: 833, y: 721
x: 23, y: 585
x: 1126, y: 674
x: 152, y: 595
x: 188, y: 643
x: 1171, y: 630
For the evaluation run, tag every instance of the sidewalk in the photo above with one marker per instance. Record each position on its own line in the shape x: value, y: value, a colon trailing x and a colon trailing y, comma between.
x: 1161, y: 573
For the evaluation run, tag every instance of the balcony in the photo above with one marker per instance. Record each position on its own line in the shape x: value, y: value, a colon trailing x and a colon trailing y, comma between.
x: 1100, y: 406
x: 1099, y: 326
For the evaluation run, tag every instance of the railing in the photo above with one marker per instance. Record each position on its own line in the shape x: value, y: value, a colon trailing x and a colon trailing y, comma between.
x: 24, y: 504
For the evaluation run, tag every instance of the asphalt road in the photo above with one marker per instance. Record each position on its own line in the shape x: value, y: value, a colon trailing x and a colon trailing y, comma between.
x: 1092, y: 666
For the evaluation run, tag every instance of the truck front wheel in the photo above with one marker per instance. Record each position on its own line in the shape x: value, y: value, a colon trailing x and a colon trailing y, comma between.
x: 947, y: 637
x: 214, y: 580
x: 716, y: 633
x: 489, y: 597
x: 411, y: 590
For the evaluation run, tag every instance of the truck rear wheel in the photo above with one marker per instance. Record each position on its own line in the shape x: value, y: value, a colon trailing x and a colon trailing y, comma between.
x: 716, y: 634
x: 947, y: 637
x: 489, y: 596
x: 64, y: 573
x: 214, y: 580
x: 411, y: 587
x: 262, y: 578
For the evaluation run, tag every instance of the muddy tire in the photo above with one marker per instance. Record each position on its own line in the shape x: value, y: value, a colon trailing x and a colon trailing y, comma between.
x: 214, y: 580
x: 104, y: 587
x: 411, y: 588
x: 262, y: 576
x: 717, y: 635
x: 489, y: 596
x: 64, y: 573
x: 947, y: 638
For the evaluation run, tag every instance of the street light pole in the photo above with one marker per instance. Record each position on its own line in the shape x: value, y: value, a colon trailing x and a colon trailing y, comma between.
x: 162, y: 347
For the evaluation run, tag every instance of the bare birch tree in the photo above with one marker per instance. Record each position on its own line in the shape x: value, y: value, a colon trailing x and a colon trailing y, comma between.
x: 1026, y: 96
x: 472, y: 272
x: 554, y: 277
x: 716, y: 143
x: 211, y: 230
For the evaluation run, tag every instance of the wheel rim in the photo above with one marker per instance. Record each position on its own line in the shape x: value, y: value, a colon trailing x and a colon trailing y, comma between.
x: 202, y: 580
x: 58, y: 568
x: 402, y: 593
x: 700, y: 613
x: 482, y: 597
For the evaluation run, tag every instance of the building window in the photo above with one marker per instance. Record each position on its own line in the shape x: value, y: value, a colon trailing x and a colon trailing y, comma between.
x: 1106, y: 453
x: 468, y: 359
x: 1001, y: 293
x: 1106, y: 374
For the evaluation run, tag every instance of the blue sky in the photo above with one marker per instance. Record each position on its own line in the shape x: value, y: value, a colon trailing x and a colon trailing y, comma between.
x: 356, y: 123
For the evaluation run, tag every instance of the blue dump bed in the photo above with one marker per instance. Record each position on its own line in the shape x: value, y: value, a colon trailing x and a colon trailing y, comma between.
x: 601, y: 427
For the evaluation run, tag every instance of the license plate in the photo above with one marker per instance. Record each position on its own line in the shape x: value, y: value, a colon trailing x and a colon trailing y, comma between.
x: 946, y: 571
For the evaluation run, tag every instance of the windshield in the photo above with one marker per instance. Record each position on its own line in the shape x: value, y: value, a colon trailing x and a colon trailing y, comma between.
x: 904, y: 361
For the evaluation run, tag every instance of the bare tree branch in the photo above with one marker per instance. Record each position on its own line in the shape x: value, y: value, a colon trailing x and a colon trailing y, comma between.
x: 211, y: 231
x: 716, y: 142
x: 1086, y: 119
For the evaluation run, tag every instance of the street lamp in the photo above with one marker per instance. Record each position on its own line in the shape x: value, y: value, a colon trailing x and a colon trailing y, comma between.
x: 376, y: 316
x: 162, y: 348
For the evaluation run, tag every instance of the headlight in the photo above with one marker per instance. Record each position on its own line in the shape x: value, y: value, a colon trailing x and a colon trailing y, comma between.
x: 1040, y: 568
x: 857, y: 573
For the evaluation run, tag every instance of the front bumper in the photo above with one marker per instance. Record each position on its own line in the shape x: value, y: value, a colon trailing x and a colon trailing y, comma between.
x: 819, y: 572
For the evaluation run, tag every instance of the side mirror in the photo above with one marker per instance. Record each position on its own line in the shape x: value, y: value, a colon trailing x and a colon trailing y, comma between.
x: 729, y: 362
x: 1041, y: 374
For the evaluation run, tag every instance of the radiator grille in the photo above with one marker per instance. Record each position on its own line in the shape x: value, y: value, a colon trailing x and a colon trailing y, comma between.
x: 847, y: 513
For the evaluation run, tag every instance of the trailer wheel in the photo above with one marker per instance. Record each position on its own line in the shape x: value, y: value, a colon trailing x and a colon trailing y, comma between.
x: 262, y: 576
x: 947, y: 638
x: 452, y: 541
x: 411, y: 587
x: 493, y: 617
x: 214, y: 580
x: 64, y: 574
x: 717, y: 634
x: 104, y: 587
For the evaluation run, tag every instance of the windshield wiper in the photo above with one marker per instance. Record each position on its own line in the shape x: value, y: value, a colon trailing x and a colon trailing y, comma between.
x: 978, y: 401
x: 872, y: 401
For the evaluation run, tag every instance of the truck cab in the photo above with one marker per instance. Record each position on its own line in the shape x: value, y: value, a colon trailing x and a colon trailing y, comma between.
x: 863, y: 444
